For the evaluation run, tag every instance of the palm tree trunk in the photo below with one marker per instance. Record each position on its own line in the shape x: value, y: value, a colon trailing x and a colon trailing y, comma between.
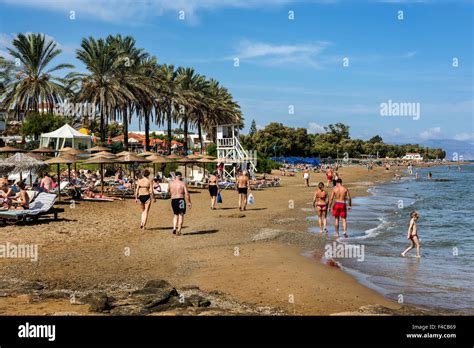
x: 102, y: 126
x: 185, y: 133
x: 125, y: 128
x: 200, y: 134
x: 169, y: 128
x: 147, y: 131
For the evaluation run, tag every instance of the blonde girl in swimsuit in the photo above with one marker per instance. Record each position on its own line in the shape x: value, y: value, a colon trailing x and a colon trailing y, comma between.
x: 143, y: 195
x: 320, y: 202
x: 413, y: 235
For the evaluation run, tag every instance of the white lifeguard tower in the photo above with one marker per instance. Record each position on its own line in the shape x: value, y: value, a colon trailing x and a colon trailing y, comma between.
x: 231, y: 153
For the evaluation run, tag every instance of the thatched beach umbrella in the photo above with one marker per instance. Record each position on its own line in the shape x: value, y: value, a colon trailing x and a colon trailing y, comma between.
x: 72, y: 158
x: 75, y: 152
x: 157, y: 159
x: 132, y: 158
x: 39, y: 157
x: 5, y: 168
x: 43, y: 150
x: 193, y: 157
x: 104, y: 154
x: 174, y: 157
x: 123, y: 153
x: 100, y: 160
x: 98, y: 149
x: 25, y: 163
x: 60, y: 160
x: 205, y: 161
x: 10, y: 149
x: 66, y: 149
x: 146, y: 153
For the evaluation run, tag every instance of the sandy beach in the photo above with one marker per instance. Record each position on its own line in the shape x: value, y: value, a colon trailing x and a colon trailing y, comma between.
x: 252, y: 257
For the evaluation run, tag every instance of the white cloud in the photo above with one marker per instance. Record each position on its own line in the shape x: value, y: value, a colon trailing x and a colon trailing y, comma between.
x: 314, y: 128
x: 464, y: 136
x: 410, y: 54
x: 120, y: 10
x: 273, y: 54
x: 395, y: 132
x: 432, y: 133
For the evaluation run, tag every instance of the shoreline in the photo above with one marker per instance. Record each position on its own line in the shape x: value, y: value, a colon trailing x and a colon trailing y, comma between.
x: 253, y: 258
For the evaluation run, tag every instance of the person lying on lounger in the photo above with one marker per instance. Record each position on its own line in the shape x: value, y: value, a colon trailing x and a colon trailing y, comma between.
x: 22, y: 197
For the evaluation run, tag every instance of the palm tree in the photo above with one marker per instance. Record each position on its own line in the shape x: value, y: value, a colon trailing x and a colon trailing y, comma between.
x: 102, y: 85
x: 192, y: 88
x: 132, y: 73
x: 169, y: 98
x: 32, y: 83
x: 6, y: 68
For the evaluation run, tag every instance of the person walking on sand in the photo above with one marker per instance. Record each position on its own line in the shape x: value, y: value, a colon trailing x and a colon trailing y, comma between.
x: 329, y: 176
x: 143, y: 195
x: 243, y: 188
x: 320, y: 202
x: 213, y: 189
x: 306, y: 177
x: 413, y: 235
x: 339, y: 196
x: 179, y: 196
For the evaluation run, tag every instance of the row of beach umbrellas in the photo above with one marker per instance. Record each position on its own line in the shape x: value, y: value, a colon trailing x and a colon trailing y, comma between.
x: 37, y: 159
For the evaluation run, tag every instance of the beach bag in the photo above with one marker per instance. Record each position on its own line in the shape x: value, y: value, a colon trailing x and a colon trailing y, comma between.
x: 219, y: 197
x: 250, y: 199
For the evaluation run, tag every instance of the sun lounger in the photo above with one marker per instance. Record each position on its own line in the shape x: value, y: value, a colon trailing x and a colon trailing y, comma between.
x: 32, y: 195
x: 41, y: 206
x: 224, y: 185
x: 165, y: 191
x: 101, y: 199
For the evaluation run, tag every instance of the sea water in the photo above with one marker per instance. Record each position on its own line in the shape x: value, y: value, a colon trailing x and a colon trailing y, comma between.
x: 443, y: 278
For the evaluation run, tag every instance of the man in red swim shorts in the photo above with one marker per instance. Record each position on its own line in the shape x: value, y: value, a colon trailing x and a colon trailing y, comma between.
x: 339, y: 196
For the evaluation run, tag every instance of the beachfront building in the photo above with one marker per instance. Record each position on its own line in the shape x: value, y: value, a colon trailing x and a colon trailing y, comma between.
x: 412, y: 156
x: 66, y: 136
x: 231, y: 153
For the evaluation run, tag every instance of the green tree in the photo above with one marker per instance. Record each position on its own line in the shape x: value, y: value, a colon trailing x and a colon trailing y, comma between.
x: 253, y: 128
x: 32, y: 85
x: 35, y: 124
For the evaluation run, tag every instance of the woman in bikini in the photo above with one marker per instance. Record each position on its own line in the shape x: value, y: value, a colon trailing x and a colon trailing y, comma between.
x: 22, y: 197
x: 144, y: 195
x: 413, y: 235
x: 213, y: 189
x: 320, y: 202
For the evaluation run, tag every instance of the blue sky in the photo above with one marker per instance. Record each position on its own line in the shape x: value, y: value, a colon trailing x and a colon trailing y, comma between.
x: 293, y: 63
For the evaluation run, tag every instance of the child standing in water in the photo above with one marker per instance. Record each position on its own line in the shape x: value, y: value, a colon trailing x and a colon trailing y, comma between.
x: 413, y: 235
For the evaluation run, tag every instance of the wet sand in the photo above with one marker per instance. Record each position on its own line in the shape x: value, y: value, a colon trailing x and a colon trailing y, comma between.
x: 252, y: 257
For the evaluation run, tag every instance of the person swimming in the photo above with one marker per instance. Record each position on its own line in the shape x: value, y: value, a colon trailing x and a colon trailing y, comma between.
x: 413, y: 235
x: 320, y: 202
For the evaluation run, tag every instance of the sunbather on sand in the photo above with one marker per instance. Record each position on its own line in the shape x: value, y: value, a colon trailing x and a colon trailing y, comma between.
x: 22, y: 197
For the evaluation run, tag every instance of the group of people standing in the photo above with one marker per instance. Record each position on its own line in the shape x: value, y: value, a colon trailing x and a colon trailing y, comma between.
x: 339, y: 201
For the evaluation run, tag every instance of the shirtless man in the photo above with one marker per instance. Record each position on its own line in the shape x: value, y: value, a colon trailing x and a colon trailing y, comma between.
x: 243, y: 187
x: 339, y: 195
x: 179, y: 197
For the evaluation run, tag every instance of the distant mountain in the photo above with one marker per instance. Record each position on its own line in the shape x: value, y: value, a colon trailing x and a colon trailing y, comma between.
x: 462, y: 148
